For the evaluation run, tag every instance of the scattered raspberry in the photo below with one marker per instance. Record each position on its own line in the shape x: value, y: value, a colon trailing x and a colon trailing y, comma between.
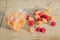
x: 53, y: 23
x: 46, y: 17
x: 31, y: 29
x: 31, y: 23
x: 43, y: 30
x: 39, y: 23
x: 44, y: 21
x: 37, y: 12
x: 27, y: 17
x: 52, y: 18
x: 38, y: 29
x: 39, y: 19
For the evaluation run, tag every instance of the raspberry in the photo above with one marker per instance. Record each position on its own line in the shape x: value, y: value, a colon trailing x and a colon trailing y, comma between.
x: 39, y: 23
x: 42, y: 13
x: 31, y: 23
x: 38, y: 29
x: 31, y: 29
x: 39, y: 19
x: 27, y: 17
x: 43, y: 30
x: 53, y: 23
x: 46, y: 17
x: 52, y: 18
x: 37, y: 16
x: 44, y: 20
x: 43, y: 16
x: 37, y: 12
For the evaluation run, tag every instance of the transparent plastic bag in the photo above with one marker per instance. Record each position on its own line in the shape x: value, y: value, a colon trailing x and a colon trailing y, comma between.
x: 16, y: 20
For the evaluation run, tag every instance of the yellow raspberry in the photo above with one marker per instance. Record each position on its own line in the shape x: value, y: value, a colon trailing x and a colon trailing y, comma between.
x: 52, y: 18
x: 37, y: 16
x: 39, y: 23
x: 44, y: 21
x: 31, y: 29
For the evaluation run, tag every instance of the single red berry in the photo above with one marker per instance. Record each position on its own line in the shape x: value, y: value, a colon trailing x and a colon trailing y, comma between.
x: 39, y: 19
x: 43, y: 16
x: 46, y: 17
x: 40, y: 14
x: 38, y: 29
x: 27, y: 16
x: 53, y: 23
x: 31, y: 23
x: 43, y: 30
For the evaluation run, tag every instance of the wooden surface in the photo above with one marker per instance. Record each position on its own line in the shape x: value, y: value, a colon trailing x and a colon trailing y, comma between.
x: 53, y: 33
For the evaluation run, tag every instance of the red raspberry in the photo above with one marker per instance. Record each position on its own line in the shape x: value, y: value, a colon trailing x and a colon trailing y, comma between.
x: 31, y: 23
x: 39, y: 19
x: 27, y: 17
x: 43, y: 30
x: 53, y: 23
x: 40, y: 14
x: 38, y: 29
x: 46, y: 17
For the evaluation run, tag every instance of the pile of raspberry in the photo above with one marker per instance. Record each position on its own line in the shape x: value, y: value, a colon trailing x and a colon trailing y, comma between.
x: 39, y: 19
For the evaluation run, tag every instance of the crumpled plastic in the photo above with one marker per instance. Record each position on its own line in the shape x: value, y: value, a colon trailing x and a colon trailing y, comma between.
x: 16, y: 20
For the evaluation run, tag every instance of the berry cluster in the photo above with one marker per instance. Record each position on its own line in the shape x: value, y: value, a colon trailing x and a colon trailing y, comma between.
x: 41, y: 18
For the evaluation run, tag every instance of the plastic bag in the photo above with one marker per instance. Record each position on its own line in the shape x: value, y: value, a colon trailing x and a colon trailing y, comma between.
x: 16, y: 20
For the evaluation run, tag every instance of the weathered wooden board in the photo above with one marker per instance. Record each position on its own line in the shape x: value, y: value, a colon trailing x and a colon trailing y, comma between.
x: 53, y: 33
